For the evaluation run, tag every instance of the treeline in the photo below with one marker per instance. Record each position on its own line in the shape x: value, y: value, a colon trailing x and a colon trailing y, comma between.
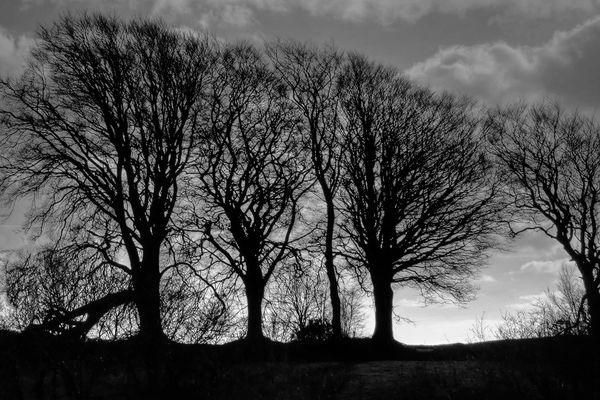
x: 182, y: 186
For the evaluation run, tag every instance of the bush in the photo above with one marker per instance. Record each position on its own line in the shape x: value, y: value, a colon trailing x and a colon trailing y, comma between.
x: 317, y: 330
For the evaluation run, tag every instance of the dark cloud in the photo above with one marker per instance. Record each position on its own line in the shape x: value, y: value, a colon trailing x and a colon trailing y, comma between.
x: 383, y: 11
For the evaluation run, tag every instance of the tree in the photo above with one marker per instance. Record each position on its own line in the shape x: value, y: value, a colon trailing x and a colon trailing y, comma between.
x: 564, y: 311
x: 299, y: 293
x: 419, y: 201
x: 98, y: 132
x: 197, y: 308
x: 68, y: 293
x: 249, y: 178
x: 560, y: 312
x: 353, y: 316
x: 551, y: 160
x: 65, y: 293
x: 311, y: 74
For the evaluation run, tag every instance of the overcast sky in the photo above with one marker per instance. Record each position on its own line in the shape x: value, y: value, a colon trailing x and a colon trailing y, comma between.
x: 496, y: 50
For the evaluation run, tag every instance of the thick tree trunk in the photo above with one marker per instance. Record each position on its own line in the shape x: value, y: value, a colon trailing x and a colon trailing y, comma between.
x: 146, y: 285
x: 594, y: 307
x: 593, y: 299
x: 384, y: 298
x: 94, y: 311
x: 147, y: 299
x: 254, y: 296
x: 336, y: 308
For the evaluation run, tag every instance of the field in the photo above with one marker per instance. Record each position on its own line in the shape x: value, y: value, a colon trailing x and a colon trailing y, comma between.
x: 36, y: 367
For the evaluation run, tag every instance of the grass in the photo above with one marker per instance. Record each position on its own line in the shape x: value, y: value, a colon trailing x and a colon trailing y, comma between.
x: 35, y: 367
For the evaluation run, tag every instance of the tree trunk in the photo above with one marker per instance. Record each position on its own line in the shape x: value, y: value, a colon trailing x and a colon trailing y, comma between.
x: 593, y: 299
x: 254, y: 296
x: 594, y: 307
x: 94, y: 311
x: 146, y: 284
x: 147, y: 300
x: 336, y: 308
x: 384, y: 297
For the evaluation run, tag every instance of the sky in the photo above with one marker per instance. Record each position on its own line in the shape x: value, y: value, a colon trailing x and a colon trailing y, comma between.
x: 499, y: 51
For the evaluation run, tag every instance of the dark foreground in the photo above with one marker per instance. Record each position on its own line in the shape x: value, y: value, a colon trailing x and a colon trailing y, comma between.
x: 34, y: 367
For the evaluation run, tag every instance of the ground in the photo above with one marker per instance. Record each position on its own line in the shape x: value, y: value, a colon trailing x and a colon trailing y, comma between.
x: 35, y: 367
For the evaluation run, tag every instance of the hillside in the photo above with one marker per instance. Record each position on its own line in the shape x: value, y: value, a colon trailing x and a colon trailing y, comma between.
x: 35, y: 367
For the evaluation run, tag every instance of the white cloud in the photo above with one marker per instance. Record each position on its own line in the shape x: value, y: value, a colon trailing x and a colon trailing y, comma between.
x: 13, y: 52
x: 420, y: 303
x: 527, y: 301
x: 545, y: 267
x: 485, y: 278
x: 565, y: 67
x: 409, y: 303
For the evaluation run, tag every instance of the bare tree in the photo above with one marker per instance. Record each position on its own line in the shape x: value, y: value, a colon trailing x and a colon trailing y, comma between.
x: 561, y: 311
x: 479, y: 331
x: 62, y: 292
x: 551, y: 160
x: 419, y: 202
x: 299, y: 293
x: 196, y: 308
x: 518, y: 325
x: 250, y: 177
x: 69, y: 293
x: 311, y: 74
x: 564, y: 310
x: 98, y: 131
x: 352, y: 299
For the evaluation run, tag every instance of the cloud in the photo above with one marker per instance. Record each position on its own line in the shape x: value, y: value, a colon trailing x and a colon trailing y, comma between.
x: 485, y: 278
x: 388, y: 11
x: 565, y: 67
x: 409, y: 303
x: 527, y: 301
x: 546, y: 267
x: 206, y: 14
x: 14, y: 51
x: 420, y: 303
x: 382, y: 11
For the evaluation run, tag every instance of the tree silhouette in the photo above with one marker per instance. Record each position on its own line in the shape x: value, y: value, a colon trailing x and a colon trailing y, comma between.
x: 551, y: 160
x: 419, y: 203
x: 311, y: 75
x: 250, y: 176
x: 98, y: 131
x: 65, y: 292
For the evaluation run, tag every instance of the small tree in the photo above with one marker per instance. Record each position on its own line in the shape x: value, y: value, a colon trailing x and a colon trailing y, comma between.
x: 298, y: 294
x: 551, y: 161
x: 560, y: 312
x: 419, y: 201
